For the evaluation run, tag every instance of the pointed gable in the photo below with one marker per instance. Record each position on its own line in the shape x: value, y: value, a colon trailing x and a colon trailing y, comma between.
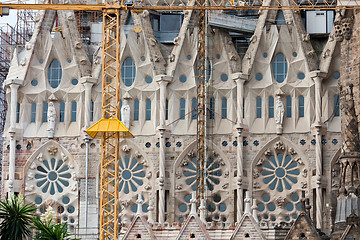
x: 303, y: 228
x: 139, y: 228
x: 352, y: 230
x: 193, y: 228
x: 247, y: 228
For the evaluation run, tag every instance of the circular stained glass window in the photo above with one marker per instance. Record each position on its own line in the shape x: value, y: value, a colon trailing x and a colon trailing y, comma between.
x: 280, y: 173
x: 188, y: 57
x: 143, y: 58
x: 294, y: 54
x: 182, y: 78
x: 266, y: 197
x: 53, y: 176
x: 258, y: 76
x: 301, y: 76
x: 265, y: 55
x: 34, y: 82
x: 148, y: 79
x: 224, y: 77
x: 66, y: 200
x: 183, y: 208
x: 336, y: 75
x: 271, y: 207
x: 261, y: 207
x: 131, y: 174
x: 74, y: 81
x: 217, y: 56
x: 38, y: 200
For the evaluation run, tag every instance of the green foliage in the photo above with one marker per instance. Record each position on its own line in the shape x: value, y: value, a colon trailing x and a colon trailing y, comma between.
x: 50, y: 231
x: 16, y: 218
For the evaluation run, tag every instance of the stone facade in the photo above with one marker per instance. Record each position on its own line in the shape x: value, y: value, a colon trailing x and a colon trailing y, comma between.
x: 273, y: 125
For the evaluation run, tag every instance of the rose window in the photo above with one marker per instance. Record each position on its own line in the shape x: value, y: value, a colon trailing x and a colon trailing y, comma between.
x: 217, y: 187
x: 280, y: 172
x: 131, y: 175
x: 279, y: 176
x: 213, y: 173
x: 53, y: 176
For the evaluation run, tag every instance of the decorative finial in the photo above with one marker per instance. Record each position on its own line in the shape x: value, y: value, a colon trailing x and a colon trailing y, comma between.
x: 139, y: 202
x: 202, y: 210
x: 247, y: 203
x: 150, y: 215
x: 254, y: 210
x: 193, y: 204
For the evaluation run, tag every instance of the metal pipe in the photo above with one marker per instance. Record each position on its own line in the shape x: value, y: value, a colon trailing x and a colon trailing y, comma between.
x: 87, y: 140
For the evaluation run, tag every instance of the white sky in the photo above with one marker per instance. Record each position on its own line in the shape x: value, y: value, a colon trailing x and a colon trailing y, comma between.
x: 11, y: 19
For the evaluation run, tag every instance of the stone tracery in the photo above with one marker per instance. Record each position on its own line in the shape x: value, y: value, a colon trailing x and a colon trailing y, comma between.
x: 278, y: 180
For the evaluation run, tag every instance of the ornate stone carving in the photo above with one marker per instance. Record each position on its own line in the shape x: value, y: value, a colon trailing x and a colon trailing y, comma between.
x: 256, y: 174
x: 51, y: 118
x: 279, y: 146
x: 178, y: 187
x: 178, y: 174
x: 292, y: 151
x: 52, y: 150
x: 260, y: 162
x: 279, y: 113
x: 280, y: 201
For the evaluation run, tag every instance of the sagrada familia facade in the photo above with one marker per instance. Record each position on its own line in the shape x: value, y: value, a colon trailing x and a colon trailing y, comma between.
x: 283, y: 147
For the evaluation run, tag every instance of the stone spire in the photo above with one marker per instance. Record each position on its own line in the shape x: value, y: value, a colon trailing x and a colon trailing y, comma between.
x: 202, y: 210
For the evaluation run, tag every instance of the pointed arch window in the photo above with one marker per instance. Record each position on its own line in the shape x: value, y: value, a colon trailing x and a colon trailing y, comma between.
x: 280, y: 68
x: 194, y: 108
x: 33, y: 112
x: 73, y: 111
x: 136, y: 109
x: 45, y: 110
x: 271, y: 107
x: 148, y: 109
x: 54, y: 73
x: 128, y: 72
x: 258, y: 107
x: 223, y: 108
x: 167, y: 109
x: 288, y: 106
x: 336, y: 106
x: 17, y: 112
x: 91, y: 111
x: 62, y: 112
x: 212, y: 108
x: 301, y: 106
x: 182, y: 108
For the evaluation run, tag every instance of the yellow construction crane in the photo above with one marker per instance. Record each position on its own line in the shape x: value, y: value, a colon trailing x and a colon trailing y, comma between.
x: 109, y: 128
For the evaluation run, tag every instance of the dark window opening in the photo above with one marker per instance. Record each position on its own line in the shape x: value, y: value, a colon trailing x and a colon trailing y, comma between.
x: 192, y: 235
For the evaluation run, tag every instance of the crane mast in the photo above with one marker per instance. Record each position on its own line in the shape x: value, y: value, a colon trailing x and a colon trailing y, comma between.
x: 109, y: 128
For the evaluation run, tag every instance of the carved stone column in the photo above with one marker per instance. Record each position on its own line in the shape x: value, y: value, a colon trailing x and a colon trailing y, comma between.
x: 240, y: 80
x: 317, y: 77
x: 163, y: 80
x: 13, y: 85
x: 88, y: 82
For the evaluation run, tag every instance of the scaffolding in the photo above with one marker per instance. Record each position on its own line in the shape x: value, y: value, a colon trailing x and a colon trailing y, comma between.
x: 10, y: 37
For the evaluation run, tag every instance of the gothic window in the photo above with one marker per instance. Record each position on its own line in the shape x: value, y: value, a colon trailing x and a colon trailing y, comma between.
x: 271, y: 107
x: 194, y: 108
x: 336, y: 106
x: 279, y: 176
x: 258, y: 107
x: 50, y: 181
x: 301, y: 106
x: 62, y: 112
x: 223, y: 108
x: 148, y: 110
x: 33, y: 112
x: 167, y: 109
x: 17, y: 112
x: 216, y: 186
x: 134, y: 177
x: 280, y: 19
x: 128, y: 72
x: 45, y: 109
x: 136, y: 109
x: 280, y: 68
x: 91, y: 111
x: 73, y: 111
x: 54, y: 73
x: 182, y: 108
x: 288, y: 106
x: 212, y: 108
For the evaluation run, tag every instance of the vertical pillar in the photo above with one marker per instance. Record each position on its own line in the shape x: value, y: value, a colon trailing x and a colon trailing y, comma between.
x: 88, y: 82
x: 317, y: 77
x: 13, y: 105
x: 239, y: 79
x: 163, y: 81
